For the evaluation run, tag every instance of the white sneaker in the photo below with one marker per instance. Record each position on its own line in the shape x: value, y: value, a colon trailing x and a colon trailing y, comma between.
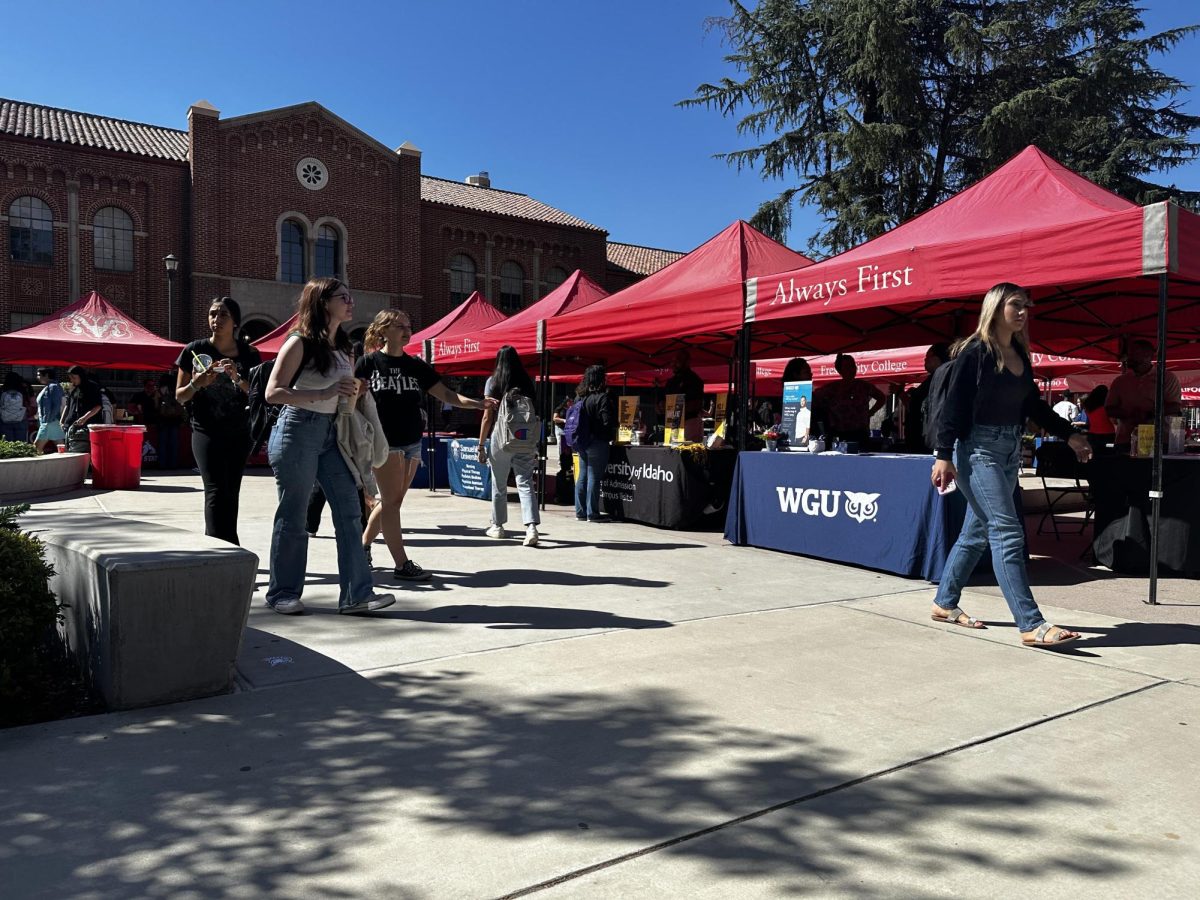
x: 290, y: 606
x: 497, y: 531
x: 531, y: 536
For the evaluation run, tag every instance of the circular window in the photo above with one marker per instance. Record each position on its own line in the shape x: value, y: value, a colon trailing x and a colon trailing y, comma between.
x: 312, y: 173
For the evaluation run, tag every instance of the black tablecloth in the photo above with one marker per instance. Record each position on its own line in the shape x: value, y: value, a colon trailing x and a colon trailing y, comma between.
x: 1120, y: 488
x: 875, y: 510
x: 664, y: 486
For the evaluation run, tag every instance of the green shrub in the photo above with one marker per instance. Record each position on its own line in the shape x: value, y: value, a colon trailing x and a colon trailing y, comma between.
x: 28, y: 613
x: 16, y: 449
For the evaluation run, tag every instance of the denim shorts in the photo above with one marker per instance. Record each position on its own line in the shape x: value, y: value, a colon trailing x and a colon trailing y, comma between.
x: 408, y: 451
x: 50, y: 431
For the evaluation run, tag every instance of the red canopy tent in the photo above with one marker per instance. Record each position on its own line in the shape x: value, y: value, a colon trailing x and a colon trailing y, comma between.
x: 1089, y: 258
x: 271, y: 343
x: 520, y: 330
x: 91, y: 333
x: 692, y: 302
x: 473, y: 314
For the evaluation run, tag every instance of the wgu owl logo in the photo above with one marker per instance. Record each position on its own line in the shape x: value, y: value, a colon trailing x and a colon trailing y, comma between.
x: 99, y: 327
x: 861, y: 506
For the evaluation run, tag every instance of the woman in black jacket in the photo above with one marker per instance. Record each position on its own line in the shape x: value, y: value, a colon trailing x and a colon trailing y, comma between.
x: 593, y: 453
x: 990, y: 395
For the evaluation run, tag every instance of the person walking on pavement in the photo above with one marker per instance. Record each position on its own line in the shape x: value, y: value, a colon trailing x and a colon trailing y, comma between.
x: 312, y: 377
x: 508, y: 379
x: 990, y: 395
x: 398, y: 383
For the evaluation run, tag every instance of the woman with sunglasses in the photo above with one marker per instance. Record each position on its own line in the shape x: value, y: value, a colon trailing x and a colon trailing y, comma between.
x: 212, y: 380
x: 398, y: 383
x: 312, y: 378
x: 990, y: 395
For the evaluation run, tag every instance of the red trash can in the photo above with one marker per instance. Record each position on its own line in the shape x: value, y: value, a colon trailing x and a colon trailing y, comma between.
x: 116, y: 456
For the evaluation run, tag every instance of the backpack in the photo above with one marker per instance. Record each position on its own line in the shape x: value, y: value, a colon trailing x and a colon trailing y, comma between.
x: 577, y: 430
x: 12, y: 407
x: 518, y: 426
x: 934, y: 407
x: 262, y: 413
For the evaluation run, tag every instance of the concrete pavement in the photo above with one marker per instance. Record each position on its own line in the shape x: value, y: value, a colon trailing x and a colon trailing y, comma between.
x: 629, y: 712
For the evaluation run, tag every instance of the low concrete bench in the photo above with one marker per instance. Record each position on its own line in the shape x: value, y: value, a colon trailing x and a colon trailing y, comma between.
x: 155, y: 614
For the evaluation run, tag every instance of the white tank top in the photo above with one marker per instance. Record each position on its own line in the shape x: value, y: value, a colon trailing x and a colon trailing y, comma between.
x: 312, y: 380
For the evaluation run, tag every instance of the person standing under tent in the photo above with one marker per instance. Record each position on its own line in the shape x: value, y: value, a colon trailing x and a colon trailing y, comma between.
x: 1100, y: 430
x: 216, y: 397
x: 14, y: 417
x: 685, y: 381
x: 509, y: 383
x: 1131, y: 395
x: 990, y: 395
x: 917, y: 398
x: 399, y: 382
x: 596, y: 408
x: 84, y: 405
x: 846, y: 406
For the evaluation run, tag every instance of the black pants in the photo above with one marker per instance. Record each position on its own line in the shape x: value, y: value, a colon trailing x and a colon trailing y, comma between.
x: 316, y: 505
x: 221, y: 459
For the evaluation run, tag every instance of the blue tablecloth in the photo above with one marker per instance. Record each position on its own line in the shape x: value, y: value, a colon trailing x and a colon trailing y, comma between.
x: 877, y: 510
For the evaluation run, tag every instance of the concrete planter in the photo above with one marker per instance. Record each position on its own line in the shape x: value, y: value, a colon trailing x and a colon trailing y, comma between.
x: 41, y: 476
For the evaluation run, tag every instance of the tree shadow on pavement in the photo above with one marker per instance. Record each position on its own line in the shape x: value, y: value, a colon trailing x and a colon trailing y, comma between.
x: 512, y: 617
x: 444, y: 579
x: 447, y: 784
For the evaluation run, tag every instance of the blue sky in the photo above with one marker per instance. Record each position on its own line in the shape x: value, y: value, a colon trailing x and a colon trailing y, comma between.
x: 571, y: 102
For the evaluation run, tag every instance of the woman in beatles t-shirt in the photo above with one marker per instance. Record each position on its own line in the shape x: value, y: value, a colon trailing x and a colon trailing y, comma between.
x: 398, y: 383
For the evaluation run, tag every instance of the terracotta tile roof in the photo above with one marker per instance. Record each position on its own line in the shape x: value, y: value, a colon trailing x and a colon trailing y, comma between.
x: 505, y: 203
x: 87, y: 130
x: 641, y: 260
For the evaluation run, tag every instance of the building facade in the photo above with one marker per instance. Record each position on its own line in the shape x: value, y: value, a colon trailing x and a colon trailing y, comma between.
x: 252, y: 206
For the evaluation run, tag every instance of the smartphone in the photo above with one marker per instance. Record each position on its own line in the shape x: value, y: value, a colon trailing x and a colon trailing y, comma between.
x: 950, y: 488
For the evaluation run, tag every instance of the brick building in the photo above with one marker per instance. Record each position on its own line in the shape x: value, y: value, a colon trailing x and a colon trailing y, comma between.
x: 253, y: 206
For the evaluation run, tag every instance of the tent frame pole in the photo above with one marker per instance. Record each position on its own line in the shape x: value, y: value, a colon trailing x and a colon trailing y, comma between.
x: 1156, y: 480
x: 547, y: 406
x: 743, y: 388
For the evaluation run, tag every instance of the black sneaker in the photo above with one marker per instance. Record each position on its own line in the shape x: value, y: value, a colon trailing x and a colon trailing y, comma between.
x: 370, y: 564
x: 410, y: 571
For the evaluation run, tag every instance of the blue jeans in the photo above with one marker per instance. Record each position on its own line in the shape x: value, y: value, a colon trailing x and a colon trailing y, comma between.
x: 303, y: 450
x: 593, y: 457
x: 987, y: 463
x: 524, y: 465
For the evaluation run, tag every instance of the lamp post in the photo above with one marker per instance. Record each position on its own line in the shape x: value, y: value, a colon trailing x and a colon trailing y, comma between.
x: 172, y: 265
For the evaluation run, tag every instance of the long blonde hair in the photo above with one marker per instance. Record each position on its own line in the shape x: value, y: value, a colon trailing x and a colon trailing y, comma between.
x: 375, y: 339
x: 985, y: 331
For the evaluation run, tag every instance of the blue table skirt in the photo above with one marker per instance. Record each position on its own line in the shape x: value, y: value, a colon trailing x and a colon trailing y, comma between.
x: 877, y: 510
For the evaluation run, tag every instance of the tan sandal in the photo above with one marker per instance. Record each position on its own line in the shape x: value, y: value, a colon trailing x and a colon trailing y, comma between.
x: 1039, y: 638
x: 957, y: 617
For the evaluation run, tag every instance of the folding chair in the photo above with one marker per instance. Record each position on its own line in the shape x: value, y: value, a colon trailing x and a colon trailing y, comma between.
x: 1056, y: 459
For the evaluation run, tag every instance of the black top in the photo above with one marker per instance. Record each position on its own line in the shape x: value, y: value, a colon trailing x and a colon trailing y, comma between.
x: 914, y: 424
x: 977, y: 393
x: 602, y: 417
x: 84, y: 398
x: 399, y: 385
x: 222, y: 405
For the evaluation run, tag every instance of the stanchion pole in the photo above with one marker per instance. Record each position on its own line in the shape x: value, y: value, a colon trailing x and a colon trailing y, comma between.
x: 544, y: 388
x: 1160, y: 389
x: 431, y: 453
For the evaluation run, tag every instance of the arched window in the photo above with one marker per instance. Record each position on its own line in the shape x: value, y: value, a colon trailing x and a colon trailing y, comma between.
x: 554, y: 277
x: 329, y: 252
x: 462, y: 277
x: 512, y: 286
x: 291, y: 253
x: 112, y: 232
x: 31, y: 231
